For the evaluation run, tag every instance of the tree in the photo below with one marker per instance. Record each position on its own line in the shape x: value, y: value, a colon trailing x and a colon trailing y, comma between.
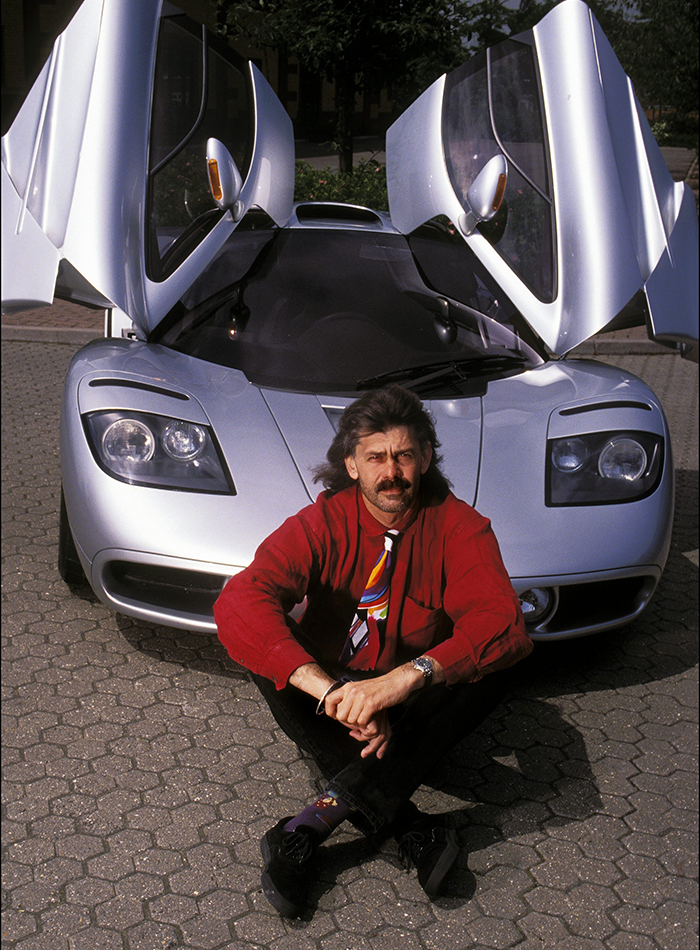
x: 363, y: 46
x: 661, y: 53
x: 359, y: 45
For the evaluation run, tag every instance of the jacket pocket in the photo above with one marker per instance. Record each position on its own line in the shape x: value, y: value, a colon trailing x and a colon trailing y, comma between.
x: 421, y: 627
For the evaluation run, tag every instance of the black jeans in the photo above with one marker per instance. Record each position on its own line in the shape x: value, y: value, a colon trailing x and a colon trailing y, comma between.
x: 424, y: 729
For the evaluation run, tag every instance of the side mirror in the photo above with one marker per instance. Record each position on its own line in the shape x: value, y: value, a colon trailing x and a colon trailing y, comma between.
x: 485, y: 194
x: 225, y: 180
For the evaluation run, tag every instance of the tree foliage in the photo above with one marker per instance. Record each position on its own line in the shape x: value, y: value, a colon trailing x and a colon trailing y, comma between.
x: 360, y: 45
x: 660, y: 51
x: 366, y: 45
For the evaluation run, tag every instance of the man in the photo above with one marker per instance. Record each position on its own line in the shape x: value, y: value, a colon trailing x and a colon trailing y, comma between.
x: 408, y: 607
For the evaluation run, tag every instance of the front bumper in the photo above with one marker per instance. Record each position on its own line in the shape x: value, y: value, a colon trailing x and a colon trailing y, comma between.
x: 179, y: 593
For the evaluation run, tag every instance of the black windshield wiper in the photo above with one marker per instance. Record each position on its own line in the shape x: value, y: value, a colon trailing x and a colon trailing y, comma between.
x: 464, y: 369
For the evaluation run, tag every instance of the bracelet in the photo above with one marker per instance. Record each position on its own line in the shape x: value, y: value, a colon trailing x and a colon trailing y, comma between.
x: 320, y: 709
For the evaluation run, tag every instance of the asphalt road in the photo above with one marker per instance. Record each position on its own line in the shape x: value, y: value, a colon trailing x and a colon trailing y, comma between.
x: 140, y: 768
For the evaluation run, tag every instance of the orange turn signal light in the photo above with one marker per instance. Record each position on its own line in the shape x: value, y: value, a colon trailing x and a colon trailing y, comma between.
x: 214, y: 179
x: 500, y: 191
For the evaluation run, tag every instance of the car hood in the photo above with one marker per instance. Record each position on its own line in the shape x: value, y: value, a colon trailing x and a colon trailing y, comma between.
x: 593, y: 232
x: 307, y: 424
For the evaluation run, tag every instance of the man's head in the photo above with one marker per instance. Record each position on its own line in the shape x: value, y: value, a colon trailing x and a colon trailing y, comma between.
x: 386, y: 442
x: 388, y: 467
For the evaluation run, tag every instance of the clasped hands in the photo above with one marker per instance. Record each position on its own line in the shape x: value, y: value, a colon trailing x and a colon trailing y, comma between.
x: 363, y: 706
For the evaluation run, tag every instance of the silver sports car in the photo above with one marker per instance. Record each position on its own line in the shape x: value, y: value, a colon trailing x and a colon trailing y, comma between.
x: 150, y: 172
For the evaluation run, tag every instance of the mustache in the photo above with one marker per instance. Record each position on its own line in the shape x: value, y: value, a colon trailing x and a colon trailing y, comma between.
x: 394, y: 483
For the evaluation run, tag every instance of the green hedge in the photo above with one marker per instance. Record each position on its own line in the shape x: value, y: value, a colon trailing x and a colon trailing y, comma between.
x: 674, y: 130
x: 366, y: 186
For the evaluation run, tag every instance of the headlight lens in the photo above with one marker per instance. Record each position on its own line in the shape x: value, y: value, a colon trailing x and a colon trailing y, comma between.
x: 184, y: 441
x: 569, y: 455
x: 603, y: 468
x: 623, y: 458
x: 146, y: 449
x: 128, y: 440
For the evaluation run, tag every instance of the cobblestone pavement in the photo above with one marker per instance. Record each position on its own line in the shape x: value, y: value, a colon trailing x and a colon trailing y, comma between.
x: 140, y: 768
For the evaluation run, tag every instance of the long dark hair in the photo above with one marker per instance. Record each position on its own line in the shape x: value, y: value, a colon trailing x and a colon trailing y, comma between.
x: 379, y: 410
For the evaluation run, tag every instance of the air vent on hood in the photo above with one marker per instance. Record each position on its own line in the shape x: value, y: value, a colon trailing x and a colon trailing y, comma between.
x: 333, y: 414
x: 336, y: 212
x: 132, y: 384
x: 613, y: 404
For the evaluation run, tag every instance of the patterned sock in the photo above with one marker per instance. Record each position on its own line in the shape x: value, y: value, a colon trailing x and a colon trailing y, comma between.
x: 323, y: 815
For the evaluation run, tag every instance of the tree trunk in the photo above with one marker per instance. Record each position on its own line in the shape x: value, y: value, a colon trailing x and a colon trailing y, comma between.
x: 345, y: 108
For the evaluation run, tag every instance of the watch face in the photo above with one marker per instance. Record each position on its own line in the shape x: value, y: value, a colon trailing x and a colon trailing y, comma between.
x: 424, y: 665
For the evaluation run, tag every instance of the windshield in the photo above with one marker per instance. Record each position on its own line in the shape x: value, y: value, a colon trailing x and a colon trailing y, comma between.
x: 335, y: 311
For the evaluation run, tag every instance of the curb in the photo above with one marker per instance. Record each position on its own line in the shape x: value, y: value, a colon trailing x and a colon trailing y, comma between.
x: 78, y: 336
x: 74, y: 335
x: 623, y: 348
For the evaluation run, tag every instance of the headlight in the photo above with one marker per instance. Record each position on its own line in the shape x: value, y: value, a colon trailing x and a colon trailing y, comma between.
x: 623, y: 458
x: 128, y: 440
x: 569, y: 455
x: 603, y: 468
x: 145, y: 449
x: 184, y: 441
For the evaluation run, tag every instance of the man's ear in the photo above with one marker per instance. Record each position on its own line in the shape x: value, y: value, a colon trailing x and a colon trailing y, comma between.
x: 427, y: 453
x: 351, y: 467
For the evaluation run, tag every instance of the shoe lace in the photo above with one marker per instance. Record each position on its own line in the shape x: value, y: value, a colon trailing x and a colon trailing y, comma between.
x: 297, y: 845
x: 410, y: 847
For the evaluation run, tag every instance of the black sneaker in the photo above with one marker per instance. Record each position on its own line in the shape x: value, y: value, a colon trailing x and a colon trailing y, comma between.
x: 287, y: 854
x: 431, y: 847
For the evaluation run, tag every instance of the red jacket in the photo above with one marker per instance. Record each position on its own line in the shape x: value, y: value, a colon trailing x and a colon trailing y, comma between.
x: 450, y: 594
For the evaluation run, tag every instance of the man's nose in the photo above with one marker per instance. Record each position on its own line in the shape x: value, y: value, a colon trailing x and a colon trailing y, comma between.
x: 393, y: 469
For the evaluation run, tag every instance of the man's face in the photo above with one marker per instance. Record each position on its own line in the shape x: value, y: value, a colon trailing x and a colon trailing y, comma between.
x: 388, y: 466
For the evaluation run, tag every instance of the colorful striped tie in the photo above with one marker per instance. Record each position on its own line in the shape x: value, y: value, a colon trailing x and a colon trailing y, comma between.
x: 363, y: 643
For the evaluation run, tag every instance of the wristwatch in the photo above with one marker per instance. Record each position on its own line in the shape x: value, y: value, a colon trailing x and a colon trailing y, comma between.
x: 423, y: 664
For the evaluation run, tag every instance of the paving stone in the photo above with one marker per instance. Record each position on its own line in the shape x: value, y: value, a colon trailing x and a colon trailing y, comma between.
x: 258, y: 927
x: 622, y: 941
x: 153, y: 936
x: 642, y: 920
x: 494, y: 932
x: 223, y: 904
x: 17, y: 925
x: 140, y: 767
x: 547, y: 930
x: 95, y: 938
x: 173, y: 908
x: 206, y: 933
x: 390, y: 939
x: 65, y: 920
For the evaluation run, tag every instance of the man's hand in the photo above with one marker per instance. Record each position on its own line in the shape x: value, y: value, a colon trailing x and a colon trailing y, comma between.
x: 356, y: 704
x: 361, y: 706
x: 376, y: 734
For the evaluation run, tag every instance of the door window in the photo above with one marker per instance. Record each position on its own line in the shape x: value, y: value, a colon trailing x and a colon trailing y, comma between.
x: 200, y: 91
x: 493, y: 104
